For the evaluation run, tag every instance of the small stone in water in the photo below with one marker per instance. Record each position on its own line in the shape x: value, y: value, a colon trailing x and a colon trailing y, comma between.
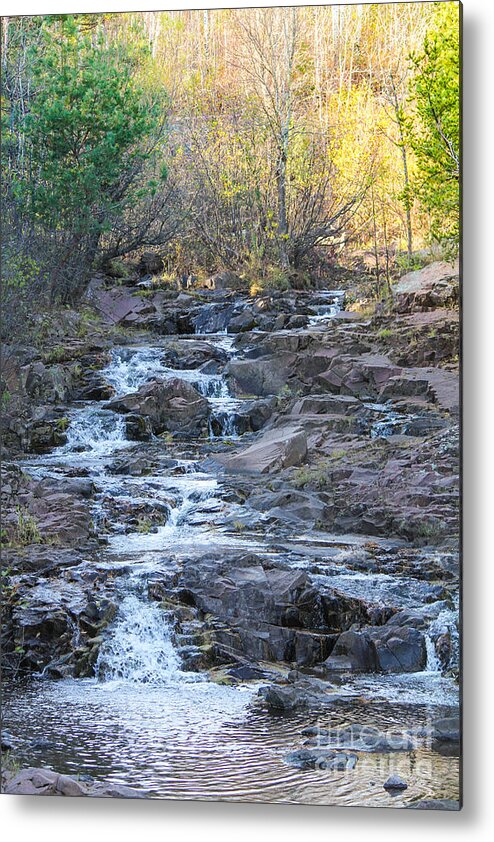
x: 7, y: 744
x: 394, y: 782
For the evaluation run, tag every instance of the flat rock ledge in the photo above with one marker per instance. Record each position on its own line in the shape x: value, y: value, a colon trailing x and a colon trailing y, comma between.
x: 435, y: 804
x: 273, y: 451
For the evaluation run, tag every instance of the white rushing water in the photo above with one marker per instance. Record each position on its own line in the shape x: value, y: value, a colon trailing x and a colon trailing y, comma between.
x: 445, y: 626
x: 95, y: 431
x: 433, y: 663
x: 131, y: 368
x: 329, y: 309
x: 139, y: 648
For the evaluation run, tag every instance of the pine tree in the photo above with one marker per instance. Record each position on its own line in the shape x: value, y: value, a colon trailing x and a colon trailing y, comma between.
x: 436, y: 133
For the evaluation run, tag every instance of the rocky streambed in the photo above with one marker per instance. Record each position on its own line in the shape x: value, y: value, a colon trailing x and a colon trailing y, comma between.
x: 235, y: 573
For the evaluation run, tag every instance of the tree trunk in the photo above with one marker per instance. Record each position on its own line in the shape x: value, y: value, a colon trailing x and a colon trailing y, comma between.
x: 408, y: 209
x: 376, y: 251
x: 404, y: 158
x: 282, y: 211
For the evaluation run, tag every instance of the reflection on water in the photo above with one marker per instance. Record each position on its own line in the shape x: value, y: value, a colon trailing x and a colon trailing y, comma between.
x: 202, y: 740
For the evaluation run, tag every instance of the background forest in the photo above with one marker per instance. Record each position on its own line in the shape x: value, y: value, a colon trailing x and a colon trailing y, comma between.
x: 271, y: 142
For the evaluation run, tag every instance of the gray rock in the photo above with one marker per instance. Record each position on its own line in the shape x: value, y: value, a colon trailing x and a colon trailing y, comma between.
x: 436, y: 285
x: 34, y: 781
x: 382, y: 649
x: 290, y: 505
x: 340, y: 761
x: 50, y: 384
x: 173, y: 405
x: 246, y: 320
x: 306, y: 693
x: 395, y: 783
x: 263, y: 376
x: 399, y: 650
x: 271, y: 452
x: 435, y: 804
x: 447, y: 729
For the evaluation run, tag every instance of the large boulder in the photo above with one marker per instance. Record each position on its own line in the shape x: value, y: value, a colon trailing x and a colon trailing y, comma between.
x: 304, y: 693
x: 262, y: 376
x: 379, y: 649
x: 212, y: 318
x: 94, y: 387
x: 399, y: 650
x: 436, y: 285
x: 436, y: 384
x: 275, y: 450
x: 57, y: 627
x: 264, y: 613
x: 172, y: 405
x: 42, y: 431
x: 53, y: 384
x: 364, y: 376
x: 52, y: 510
x: 34, y: 781
x: 290, y: 506
x: 40, y: 781
x: 223, y: 280
x: 246, y: 320
x: 195, y: 353
x: 118, y: 305
x: 258, y: 412
x: 326, y: 404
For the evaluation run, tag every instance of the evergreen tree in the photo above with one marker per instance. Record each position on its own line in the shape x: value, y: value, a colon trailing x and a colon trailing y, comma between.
x: 90, y: 130
x: 436, y: 133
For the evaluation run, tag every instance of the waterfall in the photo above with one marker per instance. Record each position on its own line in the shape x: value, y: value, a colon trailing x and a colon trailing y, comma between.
x: 327, y: 311
x: 226, y: 423
x: 179, y: 513
x: 95, y: 430
x: 139, y: 649
x: 445, y: 627
x: 432, y: 664
x: 130, y: 368
x: 213, y: 318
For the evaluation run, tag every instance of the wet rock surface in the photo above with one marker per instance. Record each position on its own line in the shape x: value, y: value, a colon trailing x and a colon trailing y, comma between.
x: 282, y: 497
x: 170, y: 405
x: 35, y: 781
x: 274, y: 451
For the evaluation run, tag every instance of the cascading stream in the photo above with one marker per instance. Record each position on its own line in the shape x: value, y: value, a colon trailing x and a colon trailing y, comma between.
x: 139, y: 649
x: 143, y: 719
x: 329, y: 309
x: 96, y: 431
x: 130, y: 368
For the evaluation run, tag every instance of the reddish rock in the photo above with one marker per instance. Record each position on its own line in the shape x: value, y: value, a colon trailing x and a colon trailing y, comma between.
x: 271, y: 452
x: 436, y: 285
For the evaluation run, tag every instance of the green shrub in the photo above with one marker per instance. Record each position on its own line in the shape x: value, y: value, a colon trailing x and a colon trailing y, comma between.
x: 62, y: 424
x: 27, y: 531
x: 275, y: 280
